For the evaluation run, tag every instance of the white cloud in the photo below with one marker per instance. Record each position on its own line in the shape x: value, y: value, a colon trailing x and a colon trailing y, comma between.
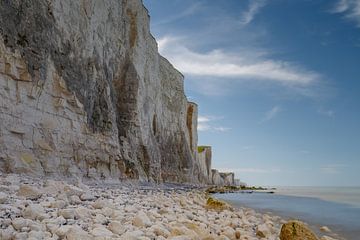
x: 272, y: 113
x: 350, y: 9
x: 333, y: 168
x: 250, y: 170
x: 221, y: 65
x: 204, y: 124
x: 327, y: 113
x: 254, y: 8
x: 191, y: 10
x: 247, y: 148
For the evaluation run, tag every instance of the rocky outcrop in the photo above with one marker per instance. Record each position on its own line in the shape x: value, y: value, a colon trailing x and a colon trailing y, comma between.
x: 228, y: 178
x: 84, y: 92
x: 216, y: 179
x: 204, y: 158
x: 296, y: 230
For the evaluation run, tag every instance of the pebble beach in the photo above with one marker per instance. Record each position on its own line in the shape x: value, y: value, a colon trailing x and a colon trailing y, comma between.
x: 32, y: 208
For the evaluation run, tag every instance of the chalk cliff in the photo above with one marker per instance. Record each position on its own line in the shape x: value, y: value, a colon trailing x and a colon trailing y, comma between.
x: 84, y: 92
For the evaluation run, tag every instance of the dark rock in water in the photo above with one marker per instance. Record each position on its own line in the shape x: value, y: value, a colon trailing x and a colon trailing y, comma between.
x: 296, y: 230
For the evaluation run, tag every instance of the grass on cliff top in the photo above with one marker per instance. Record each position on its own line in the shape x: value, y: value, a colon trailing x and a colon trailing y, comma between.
x: 201, y: 148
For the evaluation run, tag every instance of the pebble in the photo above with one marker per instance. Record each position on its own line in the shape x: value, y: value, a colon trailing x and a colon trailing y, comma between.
x: 56, y: 210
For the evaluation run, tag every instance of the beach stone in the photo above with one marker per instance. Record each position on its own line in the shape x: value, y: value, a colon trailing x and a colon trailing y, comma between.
x: 82, y: 213
x: 237, y: 234
x: 19, y: 223
x: 53, y: 187
x: 141, y: 220
x: 263, y: 231
x: 63, y: 230
x: 74, y: 199
x: 34, y: 212
x: 229, y: 232
x: 29, y: 192
x: 183, y: 237
x: 3, y: 197
x: 296, y: 230
x: 8, y: 233
x: 101, y: 232
x: 325, y: 229
x: 116, y: 227
x: 36, y: 235
x: 76, y: 233
x: 160, y: 230
x: 59, y: 204
x: 327, y: 238
x: 67, y: 213
x: 101, y: 203
x: 87, y: 196
x: 132, y: 235
x: 21, y: 236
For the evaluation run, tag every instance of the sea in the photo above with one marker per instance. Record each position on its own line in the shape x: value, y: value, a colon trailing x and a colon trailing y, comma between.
x: 335, y: 207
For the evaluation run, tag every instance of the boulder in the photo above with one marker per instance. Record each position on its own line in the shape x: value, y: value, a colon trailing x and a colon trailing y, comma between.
x: 296, y: 230
x: 3, y: 197
x: 141, y: 220
x: 67, y: 213
x: 76, y: 233
x: 263, y: 231
x: 101, y: 232
x: 34, y: 212
x: 116, y: 227
x: 29, y: 192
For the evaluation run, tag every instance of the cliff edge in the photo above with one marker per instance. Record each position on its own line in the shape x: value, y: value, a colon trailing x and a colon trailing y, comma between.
x: 84, y: 92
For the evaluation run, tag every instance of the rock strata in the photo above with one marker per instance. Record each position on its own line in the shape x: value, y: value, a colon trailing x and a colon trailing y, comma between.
x: 84, y: 92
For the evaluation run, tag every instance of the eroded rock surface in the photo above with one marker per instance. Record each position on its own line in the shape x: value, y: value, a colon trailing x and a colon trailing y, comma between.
x: 84, y: 92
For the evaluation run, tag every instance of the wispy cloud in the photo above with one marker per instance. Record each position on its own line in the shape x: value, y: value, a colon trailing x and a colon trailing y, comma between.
x: 205, y: 124
x: 333, y: 168
x: 253, y: 9
x: 247, y: 148
x: 327, y: 113
x: 191, y: 10
x: 350, y: 9
x: 222, y: 65
x: 272, y: 113
x: 251, y: 170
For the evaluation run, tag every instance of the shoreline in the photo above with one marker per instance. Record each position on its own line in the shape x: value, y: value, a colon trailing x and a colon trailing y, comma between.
x: 33, y: 208
x: 335, y: 230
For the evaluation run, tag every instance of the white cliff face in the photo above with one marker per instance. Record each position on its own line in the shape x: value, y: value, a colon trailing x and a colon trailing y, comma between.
x: 216, y: 178
x: 204, y: 159
x: 84, y: 92
x: 228, y: 178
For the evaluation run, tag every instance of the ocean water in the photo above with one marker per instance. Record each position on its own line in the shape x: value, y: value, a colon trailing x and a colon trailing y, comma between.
x: 337, y: 208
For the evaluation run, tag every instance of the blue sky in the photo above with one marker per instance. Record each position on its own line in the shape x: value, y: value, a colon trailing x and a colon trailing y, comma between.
x: 277, y: 83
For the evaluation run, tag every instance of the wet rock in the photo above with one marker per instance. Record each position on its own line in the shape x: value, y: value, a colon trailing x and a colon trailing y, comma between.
x: 296, y: 230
